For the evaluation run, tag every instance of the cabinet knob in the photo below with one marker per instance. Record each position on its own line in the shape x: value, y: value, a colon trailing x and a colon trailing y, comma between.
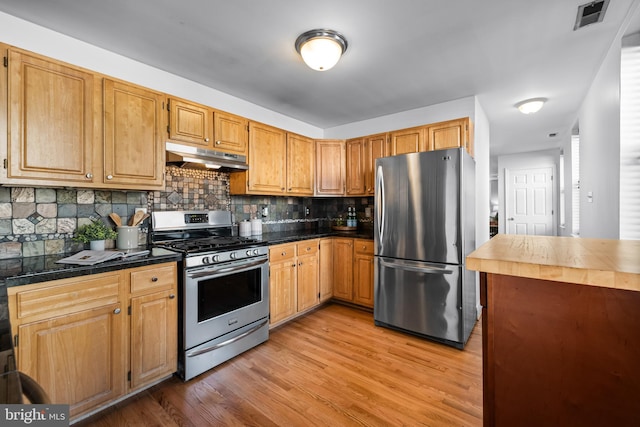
x: 206, y: 140
x: 116, y: 311
x: 218, y: 142
x: 283, y: 253
x: 109, y: 176
x: 172, y: 296
x: 154, y: 279
x: 89, y: 175
x: 293, y: 265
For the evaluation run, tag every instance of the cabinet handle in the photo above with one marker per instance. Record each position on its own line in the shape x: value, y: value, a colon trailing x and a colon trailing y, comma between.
x: 206, y: 140
x: 300, y: 264
x: 89, y: 175
x: 283, y: 253
x: 154, y: 279
x: 218, y: 142
x: 172, y: 296
x: 109, y: 176
x: 116, y: 311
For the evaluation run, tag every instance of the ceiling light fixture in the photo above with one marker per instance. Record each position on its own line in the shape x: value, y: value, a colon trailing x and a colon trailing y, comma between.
x: 531, y: 106
x: 321, y: 49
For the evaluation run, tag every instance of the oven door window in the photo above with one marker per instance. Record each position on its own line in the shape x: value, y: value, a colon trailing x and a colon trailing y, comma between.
x: 224, y: 294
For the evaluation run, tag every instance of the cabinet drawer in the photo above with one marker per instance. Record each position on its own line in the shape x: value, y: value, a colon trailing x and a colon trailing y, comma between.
x: 363, y: 246
x: 155, y: 278
x: 308, y: 247
x: 68, y: 296
x: 282, y: 252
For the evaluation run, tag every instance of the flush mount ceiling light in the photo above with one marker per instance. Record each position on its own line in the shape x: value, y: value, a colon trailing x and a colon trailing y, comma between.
x: 530, y: 106
x: 321, y: 49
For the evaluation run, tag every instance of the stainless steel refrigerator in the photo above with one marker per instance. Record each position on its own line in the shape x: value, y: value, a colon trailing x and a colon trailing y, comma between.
x: 424, y: 227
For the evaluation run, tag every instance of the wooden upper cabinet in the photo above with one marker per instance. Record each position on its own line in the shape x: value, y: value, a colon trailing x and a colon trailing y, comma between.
x: 410, y: 140
x: 53, y: 122
x: 267, y: 163
x: 330, y: 167
x: 230, y: 133
x: 375, y: 147
x: 190, y: 123
x: 450, y: 134
x: 355, y: 150
x: 301, y: 165
x: 134, y: 154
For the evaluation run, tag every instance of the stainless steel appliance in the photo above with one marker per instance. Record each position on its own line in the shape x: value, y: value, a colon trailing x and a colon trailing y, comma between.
x: 224, y: 287
x: 424, y: 228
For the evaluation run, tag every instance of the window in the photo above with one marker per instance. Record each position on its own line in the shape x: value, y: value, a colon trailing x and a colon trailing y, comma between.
x: 630, y: 142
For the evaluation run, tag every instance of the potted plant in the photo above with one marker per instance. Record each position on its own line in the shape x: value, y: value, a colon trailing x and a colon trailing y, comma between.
x: 94, y: 233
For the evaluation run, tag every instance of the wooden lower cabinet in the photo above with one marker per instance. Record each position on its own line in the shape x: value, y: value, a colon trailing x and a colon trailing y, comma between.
x: 353, y: 271
x: 293, y: 279
x: 343, y: 268
x: 75, y: 337
x: 363, y: 272
x: 282, y: 282
x: 325, y: 261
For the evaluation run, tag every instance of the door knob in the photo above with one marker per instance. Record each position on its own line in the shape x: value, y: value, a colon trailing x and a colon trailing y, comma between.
x: 510, y: 219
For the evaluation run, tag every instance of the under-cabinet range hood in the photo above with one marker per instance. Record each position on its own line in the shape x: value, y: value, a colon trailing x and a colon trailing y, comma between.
x: 186, y: 156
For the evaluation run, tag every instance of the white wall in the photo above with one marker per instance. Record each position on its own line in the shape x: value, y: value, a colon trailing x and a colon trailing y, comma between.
x: 599, y: 119
x: 534, y: 159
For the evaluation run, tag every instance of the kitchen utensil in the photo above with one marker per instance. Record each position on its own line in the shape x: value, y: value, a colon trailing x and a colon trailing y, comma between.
x: 136, y: 218
x: 145, y: 216
x: 116, y: 219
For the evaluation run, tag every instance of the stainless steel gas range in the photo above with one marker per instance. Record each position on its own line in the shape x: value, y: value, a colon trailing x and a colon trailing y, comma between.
x: 224, y: 287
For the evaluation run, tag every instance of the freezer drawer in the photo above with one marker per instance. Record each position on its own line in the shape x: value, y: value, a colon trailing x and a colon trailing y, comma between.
x: 419, y: 297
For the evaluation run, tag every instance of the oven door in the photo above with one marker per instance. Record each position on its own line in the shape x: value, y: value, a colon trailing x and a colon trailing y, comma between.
x: 222, y: 298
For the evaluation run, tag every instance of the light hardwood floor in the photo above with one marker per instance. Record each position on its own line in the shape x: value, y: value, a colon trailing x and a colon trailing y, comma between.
x: 332, y: 367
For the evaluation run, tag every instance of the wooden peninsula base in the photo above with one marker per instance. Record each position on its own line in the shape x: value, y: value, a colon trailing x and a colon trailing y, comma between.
x: 561, y: 347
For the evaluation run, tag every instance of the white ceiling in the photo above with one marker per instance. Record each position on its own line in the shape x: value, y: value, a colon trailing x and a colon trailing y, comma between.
x: 402, y: 54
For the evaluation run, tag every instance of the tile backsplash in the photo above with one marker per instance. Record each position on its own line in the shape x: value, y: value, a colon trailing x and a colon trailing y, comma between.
x: 42, y: 221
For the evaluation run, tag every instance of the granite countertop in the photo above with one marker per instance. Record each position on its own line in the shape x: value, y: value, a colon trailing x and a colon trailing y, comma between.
x: 597, y: 262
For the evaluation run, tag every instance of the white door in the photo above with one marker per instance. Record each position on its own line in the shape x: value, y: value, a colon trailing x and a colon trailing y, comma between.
x: 529, y: 204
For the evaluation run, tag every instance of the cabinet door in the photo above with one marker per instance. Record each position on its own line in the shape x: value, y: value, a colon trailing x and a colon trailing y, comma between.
x: 326, y: 269
x: 230, y: 133
x: 301, y: 164
x: 53, y: 122
x: 190, y: 123
x: 343, y: 269
x: 78, y: 358
x: 282, y: 282
x: 154, y: 332
x: 408, y: 141
x: 449, y: 134
x: 133, y: 130
x: 363, y: 273
x: 375, y: 147
x: 330, y: 170
x: 267, y: 160
x: 307, y: 253
x: 355, y: 167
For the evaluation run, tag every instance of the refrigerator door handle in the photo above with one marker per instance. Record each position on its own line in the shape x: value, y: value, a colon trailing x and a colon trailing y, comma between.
x: 380, y: 201
x: 427, y: 269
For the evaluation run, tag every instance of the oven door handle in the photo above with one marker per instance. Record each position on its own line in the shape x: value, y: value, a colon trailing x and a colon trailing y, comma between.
x: 226, y: 270
x: 227, y: 342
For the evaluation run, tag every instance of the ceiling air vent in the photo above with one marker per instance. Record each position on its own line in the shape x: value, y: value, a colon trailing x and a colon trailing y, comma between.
x: 590, y: 13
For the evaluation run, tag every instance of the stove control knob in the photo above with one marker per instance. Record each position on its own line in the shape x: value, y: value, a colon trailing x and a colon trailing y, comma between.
x: 255, y: 252
x: 216, y: 258
x: 249, y: 252
x: 205, y: 260
x: 233, y: 255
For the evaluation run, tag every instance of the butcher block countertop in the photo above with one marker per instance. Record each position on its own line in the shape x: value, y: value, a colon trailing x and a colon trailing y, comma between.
x: 596, y: 262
